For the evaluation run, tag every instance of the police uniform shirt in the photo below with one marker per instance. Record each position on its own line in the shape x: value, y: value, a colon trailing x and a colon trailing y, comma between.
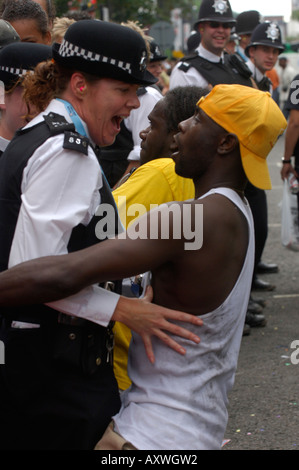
x: 192, y: 77
x: 138, y: 119
x: 60, y: 189
x: 257, y: 75
x: 3, y: 144
x: 241, y: 51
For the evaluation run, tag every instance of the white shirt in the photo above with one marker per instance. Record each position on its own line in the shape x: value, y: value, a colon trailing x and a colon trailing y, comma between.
x: 180, y: 402
x: 257, y: 75
x: 60, y: 189
x: 138, y: 119
x: 3, y: 143
x: 192, y: 77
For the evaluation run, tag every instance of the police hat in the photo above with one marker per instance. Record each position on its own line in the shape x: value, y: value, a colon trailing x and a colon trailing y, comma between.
x: 7, y: 34
x: 215, y: 10
x: 266, y: 34
x: 155, y: 52
x: 193, y: 41
x: 19, y: 57
x: 247, y: 21
x: 233, y: 35
x: 106, y: 50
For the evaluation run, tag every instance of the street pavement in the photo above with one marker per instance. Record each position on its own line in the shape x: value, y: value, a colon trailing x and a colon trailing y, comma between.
x: 264, y: 402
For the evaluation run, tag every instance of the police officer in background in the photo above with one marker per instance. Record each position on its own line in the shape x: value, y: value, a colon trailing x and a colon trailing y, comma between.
x: 263, y: 50
x: 210, y: 65
x: 246, y: 22
x: 16, y: 59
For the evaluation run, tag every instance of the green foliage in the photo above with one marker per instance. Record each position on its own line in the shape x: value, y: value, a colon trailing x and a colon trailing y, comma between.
x: 295, y: 15
x: 62, y: 6
x: 146, y: 12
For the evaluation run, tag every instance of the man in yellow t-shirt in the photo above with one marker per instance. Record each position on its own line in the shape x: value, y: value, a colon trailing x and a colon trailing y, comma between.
x: 153, y: 183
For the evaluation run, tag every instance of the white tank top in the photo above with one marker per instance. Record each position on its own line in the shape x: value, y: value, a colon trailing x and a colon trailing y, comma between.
x: 180, y: 402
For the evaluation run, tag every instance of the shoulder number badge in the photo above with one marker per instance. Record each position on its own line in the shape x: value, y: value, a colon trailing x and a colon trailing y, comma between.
x: 77, y: 142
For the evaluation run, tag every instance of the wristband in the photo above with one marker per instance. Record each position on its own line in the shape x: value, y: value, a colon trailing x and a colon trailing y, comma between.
x: 285, y: 161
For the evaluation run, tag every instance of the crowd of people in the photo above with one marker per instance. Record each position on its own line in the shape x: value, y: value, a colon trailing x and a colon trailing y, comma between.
x: 115, y: 171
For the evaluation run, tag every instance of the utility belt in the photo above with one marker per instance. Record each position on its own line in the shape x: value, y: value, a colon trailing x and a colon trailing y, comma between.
x: 66, y: 341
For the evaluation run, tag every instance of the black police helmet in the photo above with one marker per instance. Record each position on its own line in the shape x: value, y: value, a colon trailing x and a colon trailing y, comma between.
x: 155, y: 52
x: 19, y: 57
x: 247, y: 21
x: 105, y: 50
x: 193, y: 41
x: 7, y: 34
x: 266, y: 34
x: 215, y: 10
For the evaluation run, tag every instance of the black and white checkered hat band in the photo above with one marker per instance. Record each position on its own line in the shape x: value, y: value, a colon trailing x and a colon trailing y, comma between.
x: 68, y: 49
x: 14, y: 71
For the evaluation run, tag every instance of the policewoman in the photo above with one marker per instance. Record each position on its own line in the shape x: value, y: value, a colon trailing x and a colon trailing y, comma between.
x: 16, y: 60
x: 57, y: 388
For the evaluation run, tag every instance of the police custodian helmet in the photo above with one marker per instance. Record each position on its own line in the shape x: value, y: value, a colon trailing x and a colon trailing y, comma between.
x: 266, y: 34
x: 247, y: 21
x: 105, y: 50
x: 156, y: 53
x: 215, y: 10
x: 7, y: 34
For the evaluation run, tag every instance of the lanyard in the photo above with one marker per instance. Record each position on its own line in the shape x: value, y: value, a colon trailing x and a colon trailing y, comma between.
x: 80, y: 128
x: 74, y: 117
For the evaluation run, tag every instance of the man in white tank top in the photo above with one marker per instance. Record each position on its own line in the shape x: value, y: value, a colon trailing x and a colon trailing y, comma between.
x: 179, y: 401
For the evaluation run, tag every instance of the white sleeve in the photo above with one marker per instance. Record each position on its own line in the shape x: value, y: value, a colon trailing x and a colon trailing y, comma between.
x: 190, y: 78
x: 138, y: 119
x: 60, y: 189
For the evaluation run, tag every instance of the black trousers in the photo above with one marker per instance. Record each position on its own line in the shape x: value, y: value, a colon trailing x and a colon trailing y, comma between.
x: 48, y: 401
x: 257, y: 200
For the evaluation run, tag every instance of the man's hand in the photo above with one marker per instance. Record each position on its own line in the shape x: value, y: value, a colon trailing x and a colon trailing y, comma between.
x: 148, y: 319
x: 286, y: 169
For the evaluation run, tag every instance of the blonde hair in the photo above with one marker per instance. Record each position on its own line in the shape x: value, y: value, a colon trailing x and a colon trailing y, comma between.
x: 60, y: 26
x: 139, y: 29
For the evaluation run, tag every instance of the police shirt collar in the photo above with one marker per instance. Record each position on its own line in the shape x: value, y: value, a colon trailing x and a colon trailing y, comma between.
x: 256, y: 73
x: 205, y: 54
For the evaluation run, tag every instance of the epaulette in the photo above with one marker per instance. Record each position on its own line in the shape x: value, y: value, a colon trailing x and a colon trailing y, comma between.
x: 72, y: 140
x: 75, y: 141
x: 57, y: 123
x: 185, y: 64
x: 141, y: 91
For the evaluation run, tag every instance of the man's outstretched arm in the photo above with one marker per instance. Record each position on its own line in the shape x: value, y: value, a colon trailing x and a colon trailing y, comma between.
x: 51, y: 278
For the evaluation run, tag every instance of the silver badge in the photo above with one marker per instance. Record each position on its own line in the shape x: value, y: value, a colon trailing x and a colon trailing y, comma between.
x: 273, y: 32
x: 220, y: 6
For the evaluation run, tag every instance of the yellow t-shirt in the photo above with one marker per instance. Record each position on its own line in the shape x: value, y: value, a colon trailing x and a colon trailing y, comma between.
x: 153, y: 183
